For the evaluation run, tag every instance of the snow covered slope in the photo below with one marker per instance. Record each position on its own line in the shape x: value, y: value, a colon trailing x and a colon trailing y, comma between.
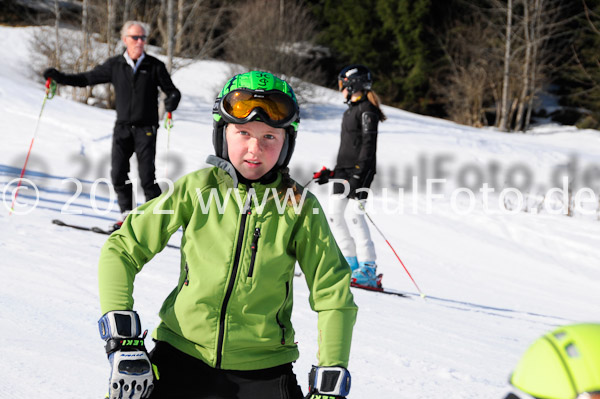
x: 494, y: 281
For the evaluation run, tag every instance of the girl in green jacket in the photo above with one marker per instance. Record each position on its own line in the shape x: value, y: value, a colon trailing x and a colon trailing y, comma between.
x: 225, y: 330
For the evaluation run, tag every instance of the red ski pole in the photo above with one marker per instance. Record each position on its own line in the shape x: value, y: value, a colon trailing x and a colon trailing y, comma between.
x: 50, y: 91
x: 392, y: 248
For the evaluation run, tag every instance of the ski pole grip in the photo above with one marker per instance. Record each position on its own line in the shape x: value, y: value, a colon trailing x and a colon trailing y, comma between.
x: 169, y: 121
x: 50, y: 88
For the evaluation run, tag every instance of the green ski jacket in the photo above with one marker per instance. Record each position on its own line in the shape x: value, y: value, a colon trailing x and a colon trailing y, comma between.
x: 233, y: 303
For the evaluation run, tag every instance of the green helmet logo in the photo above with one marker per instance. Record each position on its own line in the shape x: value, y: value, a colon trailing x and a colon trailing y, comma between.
x: 561, y: 364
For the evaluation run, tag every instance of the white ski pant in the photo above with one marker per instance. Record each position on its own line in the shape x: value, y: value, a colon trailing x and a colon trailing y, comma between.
x: 356, y: 239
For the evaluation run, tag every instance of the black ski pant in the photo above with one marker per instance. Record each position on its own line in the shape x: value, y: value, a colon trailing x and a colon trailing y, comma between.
x: 184, y: 377
x: 141, y: 140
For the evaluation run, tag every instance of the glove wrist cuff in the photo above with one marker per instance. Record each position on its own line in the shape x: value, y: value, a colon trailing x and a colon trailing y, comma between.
x: 120, y: 324
x: 329, y: 381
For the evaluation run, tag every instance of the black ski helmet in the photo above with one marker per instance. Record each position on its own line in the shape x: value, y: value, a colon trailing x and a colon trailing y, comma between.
x: 355, y: 78
x: 259, y: 83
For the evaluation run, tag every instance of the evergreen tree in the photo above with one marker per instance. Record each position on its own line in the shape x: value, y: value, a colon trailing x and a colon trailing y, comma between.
x: 579, y: 83
x: 394, y: 38
x: 352, y: 30
x: 407, y: 22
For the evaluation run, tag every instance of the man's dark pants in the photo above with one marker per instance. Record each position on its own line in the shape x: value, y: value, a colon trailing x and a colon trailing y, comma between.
x: 141, y: 140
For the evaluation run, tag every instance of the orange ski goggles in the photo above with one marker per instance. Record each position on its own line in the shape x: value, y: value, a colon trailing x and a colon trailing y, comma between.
x: 274, y: 108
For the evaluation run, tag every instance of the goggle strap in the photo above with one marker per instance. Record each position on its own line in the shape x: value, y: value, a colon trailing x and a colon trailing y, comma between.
x: 284, y: 149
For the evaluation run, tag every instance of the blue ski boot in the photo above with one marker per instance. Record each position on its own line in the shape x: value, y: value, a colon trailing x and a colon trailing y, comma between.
x: 365, y: 276
x: 352, y: 261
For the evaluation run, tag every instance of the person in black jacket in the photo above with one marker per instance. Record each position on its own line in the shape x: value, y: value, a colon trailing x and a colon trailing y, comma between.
x: 356, y: 166
x: 136, y: 77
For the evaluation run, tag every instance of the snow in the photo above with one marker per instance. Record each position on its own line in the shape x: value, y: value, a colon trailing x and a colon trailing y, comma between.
x: 495, y: 280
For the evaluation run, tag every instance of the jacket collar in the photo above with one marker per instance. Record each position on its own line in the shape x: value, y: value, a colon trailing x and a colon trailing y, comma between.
x: 130, y: 62
x: 360, y: 100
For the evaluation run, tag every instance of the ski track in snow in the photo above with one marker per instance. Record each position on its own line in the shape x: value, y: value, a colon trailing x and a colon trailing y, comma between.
x: 494, y: 282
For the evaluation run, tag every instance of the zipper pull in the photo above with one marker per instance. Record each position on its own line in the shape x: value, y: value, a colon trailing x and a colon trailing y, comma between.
x: 253, y: 248
x: 248, y: 204
x: 256, y: 237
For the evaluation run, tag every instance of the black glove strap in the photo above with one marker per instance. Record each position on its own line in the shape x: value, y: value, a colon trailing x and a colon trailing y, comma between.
x: 125, y: 344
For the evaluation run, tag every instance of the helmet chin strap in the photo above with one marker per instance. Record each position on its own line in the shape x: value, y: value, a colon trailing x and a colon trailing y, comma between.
x: 349, y: 93
x: 225, y: 152
x: 349, y: 96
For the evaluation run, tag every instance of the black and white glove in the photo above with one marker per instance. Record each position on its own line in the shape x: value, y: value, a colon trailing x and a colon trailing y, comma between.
x: 328, y: 383
x: 131, y: 370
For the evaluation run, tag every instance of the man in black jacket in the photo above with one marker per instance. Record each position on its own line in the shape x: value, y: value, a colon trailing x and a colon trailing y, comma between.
x: 136, y: 77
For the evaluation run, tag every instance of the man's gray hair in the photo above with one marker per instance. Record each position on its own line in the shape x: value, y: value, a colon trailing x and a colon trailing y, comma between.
x: 129, y: 24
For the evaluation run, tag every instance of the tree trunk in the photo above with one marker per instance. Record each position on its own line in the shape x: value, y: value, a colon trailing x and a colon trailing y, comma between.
x: 160, y: 25
x: 110, y: 44
x: 505, y: 84
x: 126, y: 10
x: 536, y: 20
x: 57, y: 37
x: 527, y: 25
x: 170, y: 34
x: 110, y: 27
x: 281, y: 14
x: 179, y: 27
x: 57, y: 33
x: 85, y: 56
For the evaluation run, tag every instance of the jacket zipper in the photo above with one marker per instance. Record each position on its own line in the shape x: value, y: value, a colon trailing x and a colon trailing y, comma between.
x: 254, y: 247
x: 236, y: 261
x: 132, y: 94
x: 281, y: 326
x: 186, y: 281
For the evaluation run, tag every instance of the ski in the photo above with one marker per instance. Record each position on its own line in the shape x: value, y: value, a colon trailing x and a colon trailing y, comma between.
x: 78, y: 227
x: 380, y: 290
x: 94, y: 229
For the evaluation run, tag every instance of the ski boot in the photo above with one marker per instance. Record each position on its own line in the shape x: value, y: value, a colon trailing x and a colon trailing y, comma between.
x: 353, y: 262
x: 365, y: 276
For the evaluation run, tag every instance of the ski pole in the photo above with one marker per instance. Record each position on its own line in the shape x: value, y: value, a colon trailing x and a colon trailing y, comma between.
x: 168, y: 126
x: 50, y: 92
x: 393, y: 250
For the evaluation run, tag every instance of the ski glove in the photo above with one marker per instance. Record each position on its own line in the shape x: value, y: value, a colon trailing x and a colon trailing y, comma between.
x: 53, y: 74
x: 172, y: 101
x: 131, y: 370
x: 328, y: 383
x: 323, y: 176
